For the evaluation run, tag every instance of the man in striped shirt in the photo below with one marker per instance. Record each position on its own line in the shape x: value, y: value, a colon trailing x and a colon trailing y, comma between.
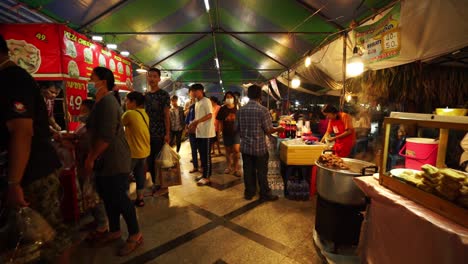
x: 253, y: 122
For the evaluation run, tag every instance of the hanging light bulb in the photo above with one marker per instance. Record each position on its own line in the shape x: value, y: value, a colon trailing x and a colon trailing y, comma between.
x: 111, y: 46
x: 308, y: 61
x: 349, y: 97
x: 355, y: 64
x: 295, y: 82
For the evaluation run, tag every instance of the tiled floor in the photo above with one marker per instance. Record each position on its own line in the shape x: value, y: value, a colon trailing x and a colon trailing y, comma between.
x: 215, y: 225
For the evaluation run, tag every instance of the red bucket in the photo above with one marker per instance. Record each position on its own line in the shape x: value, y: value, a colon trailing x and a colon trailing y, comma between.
x: 419, y: 151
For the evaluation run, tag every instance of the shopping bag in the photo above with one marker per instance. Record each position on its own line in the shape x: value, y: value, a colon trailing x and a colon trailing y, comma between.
x: 23, y: 234
x: 170, y: 176
x: 167, y: 158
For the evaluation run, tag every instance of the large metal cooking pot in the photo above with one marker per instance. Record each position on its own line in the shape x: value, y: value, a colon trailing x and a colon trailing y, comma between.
x: 337, y: 185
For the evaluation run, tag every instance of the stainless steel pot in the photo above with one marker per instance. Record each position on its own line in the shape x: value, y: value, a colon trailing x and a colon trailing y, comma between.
x: 337, y: 185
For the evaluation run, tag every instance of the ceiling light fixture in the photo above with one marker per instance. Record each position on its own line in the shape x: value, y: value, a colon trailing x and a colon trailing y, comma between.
x: 308, y: 61
x: 217, y: 63
x: 220, y: 81
x: 295, y: 82
x: 125, y: 53
x: 111, y: 46
x: 141, y: 69
x: 355, y: 64
x: 207, y: 5
x: 97, y: 38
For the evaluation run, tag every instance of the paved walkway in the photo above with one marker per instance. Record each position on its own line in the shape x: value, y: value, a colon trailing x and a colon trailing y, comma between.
x: 214, y: 224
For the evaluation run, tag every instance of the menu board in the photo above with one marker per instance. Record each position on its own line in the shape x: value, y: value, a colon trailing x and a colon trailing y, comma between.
x: 34, y: 47
x: 54, y: 52
x: 80, y: 56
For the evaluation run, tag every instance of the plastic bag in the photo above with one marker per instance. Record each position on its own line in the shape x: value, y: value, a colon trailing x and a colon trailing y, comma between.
x: 167, y: 158
x: 22, y: 236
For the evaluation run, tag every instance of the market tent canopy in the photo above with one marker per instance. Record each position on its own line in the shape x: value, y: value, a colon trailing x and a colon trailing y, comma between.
x: 253, y: 40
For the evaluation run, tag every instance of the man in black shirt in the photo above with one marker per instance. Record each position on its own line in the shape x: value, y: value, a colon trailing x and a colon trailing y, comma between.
x: 30, y: 163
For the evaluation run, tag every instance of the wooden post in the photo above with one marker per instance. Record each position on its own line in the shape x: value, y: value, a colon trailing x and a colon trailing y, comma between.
x: 442, y: 150
x: 384, y: 154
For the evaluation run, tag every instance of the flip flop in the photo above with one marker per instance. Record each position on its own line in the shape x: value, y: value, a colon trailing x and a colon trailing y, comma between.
x: 130, y: 246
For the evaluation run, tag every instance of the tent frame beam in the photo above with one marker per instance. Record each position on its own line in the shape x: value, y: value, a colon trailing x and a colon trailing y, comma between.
x: 179, y: 50
x: 259, y: 51
x: 214, y: 32
x: 224, y: 70
x: 317, y: 11
x: 102, y: 15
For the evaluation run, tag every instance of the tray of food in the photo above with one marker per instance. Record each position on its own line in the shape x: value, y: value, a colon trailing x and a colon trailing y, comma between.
x: 446, y: 183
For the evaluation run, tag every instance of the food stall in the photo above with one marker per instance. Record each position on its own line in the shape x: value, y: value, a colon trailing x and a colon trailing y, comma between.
x: 418, y: 214
x: 54, y: 52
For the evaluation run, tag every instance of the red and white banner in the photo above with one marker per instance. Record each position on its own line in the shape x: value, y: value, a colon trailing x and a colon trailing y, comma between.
x: 76, y: 91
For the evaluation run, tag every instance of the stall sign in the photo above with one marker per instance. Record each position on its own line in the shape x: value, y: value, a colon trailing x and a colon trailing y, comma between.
x: 34, y: 47
x: 76, y: 91
x: 81, y: 55
x: 381, y: 40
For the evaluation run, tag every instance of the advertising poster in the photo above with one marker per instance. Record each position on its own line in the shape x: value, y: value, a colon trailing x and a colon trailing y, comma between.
x: 76, y: 93
x: 381, y: 40
x: 34, y: 47
x: 81, y: 55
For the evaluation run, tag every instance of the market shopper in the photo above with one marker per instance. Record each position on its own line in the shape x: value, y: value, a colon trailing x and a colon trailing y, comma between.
x: 136, y: 123
x: 90, y: 202
x: 29, y: 165
x: 340, y: 131
x: 231, y: 139
x: 215, y: 139
x: 190, y: 116
x: 177, y: 122
x: 204, y: 130
x: 109, y: 157
x: 157, y: 106
x: 253, y: 121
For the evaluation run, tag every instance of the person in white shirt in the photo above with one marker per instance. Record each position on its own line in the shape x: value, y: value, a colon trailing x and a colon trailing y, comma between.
x: 205, y: 130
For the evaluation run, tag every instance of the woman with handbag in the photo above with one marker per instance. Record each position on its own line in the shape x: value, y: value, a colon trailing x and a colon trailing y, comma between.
x: 137, y: 133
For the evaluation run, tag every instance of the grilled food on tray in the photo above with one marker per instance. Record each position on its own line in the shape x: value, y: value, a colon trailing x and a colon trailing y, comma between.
x: 332, y: 161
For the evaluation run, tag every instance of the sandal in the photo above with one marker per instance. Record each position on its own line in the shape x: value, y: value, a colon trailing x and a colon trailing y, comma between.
x: 130, y: 246
x: 139, y: 202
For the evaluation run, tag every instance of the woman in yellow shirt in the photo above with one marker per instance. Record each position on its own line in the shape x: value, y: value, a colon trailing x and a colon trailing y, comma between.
x: 136, y: 123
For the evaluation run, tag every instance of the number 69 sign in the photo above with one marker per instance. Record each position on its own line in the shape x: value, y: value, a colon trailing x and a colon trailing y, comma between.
x: 76, y: 91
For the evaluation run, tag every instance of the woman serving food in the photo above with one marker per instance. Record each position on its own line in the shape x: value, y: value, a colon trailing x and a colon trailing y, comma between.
x: 340, y: 130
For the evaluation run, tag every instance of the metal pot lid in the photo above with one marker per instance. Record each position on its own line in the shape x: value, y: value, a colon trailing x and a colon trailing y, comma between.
x: 355, y: 166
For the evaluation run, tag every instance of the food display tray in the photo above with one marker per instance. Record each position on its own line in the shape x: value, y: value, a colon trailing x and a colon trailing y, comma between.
x: 443, y: 207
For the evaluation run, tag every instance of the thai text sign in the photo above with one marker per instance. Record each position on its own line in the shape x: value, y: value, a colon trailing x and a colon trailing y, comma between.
x: 381, y: 40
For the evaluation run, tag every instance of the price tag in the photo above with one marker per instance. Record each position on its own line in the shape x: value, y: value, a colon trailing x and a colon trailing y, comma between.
x: 391, y: 41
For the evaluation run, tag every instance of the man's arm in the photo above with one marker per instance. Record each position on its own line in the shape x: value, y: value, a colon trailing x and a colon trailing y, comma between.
x: 19, y: 149
x: 167, y: 123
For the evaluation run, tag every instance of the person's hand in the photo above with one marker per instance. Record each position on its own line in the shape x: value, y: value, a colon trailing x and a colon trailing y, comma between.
x: 280, y: 129
x: 331, y: 139
x: 89, y: 165
x: 57, y: 127
x: 167, y: 138
x: 15, y: 196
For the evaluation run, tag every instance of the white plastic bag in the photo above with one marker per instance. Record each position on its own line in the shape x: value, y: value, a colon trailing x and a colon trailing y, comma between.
x: 167, y: 158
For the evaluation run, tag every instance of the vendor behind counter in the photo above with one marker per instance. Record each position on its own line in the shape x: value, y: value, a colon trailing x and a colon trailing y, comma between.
x: 340, y: 130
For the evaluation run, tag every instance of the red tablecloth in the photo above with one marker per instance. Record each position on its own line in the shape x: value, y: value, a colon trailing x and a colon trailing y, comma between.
x: 398, y: 230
